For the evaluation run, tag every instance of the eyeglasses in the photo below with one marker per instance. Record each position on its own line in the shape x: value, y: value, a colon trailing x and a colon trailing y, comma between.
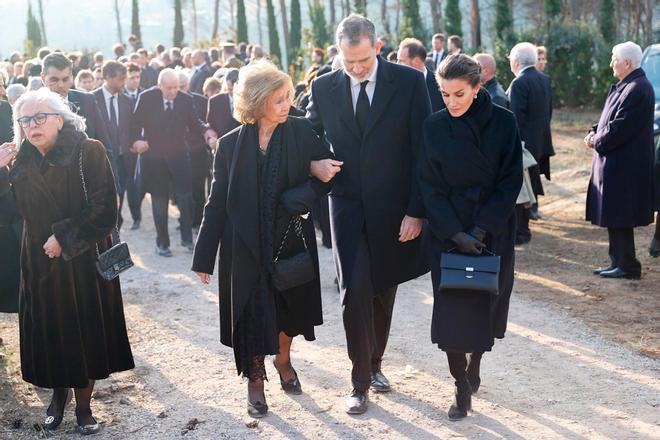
x: 39, y: 119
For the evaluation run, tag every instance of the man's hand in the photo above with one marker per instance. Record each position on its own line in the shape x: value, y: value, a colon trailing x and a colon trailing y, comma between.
x: 588, y: 140
x: 7, y: 153
x: 140, y: 147
x: 52, y: 247
x: 325, y: 169
x: 204, y: 277
x: 211, y: 137
x: 410, y: 229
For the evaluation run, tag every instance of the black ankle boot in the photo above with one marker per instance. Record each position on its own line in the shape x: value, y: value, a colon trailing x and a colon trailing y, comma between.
x: 473, y: 371
x: 462, y: 401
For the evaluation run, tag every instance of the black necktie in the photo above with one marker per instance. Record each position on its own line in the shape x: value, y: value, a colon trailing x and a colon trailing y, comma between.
x: 168, y: 106
x: 362, y: 107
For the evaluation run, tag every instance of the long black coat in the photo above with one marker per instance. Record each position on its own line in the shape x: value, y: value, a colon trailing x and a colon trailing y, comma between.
x: 530, y: 96
x: 470, y: 173
x: 437, y: 103
x: 620, y: 191
x: 231, y: 221
x: 219, y: 115
x: 377, y: 186
x: 71, y: 321
x: 166, y: 137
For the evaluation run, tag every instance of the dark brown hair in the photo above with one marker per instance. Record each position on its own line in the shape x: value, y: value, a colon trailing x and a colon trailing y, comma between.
x: 460, y: 66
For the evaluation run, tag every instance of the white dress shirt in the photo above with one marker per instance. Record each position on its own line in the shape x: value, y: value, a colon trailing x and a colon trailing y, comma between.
x: 133, y: 94
x: 165, y: 101
x: 437, y: 57
x: 371, y: 86
x: 107, y: 95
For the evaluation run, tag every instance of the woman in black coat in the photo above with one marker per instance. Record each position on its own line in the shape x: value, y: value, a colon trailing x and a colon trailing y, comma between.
x: 71, y: 320
x: 470, y: 174
x: 261, y: 189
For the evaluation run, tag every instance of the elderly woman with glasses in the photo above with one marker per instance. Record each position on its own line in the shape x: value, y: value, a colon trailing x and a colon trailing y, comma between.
x: 71, y: 320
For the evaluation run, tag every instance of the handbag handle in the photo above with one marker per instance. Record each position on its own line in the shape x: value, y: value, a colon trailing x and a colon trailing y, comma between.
x: 484, y: 249
x: 84, y: 187
x: 298, y: 230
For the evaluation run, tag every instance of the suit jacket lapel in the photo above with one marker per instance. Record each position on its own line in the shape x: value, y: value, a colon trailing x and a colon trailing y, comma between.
x: 341, y: 93
x: 385, y: 89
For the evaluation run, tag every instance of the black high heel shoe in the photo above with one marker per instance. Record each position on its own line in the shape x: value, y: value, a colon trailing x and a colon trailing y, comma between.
x: 291, y: 386
x: 51, y: 423
x: 83, y: 428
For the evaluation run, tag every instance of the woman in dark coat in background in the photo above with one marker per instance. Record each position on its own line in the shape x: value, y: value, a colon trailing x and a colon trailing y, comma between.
x: 260, y: 184
x: 470, y: 174
x: 71, y: 320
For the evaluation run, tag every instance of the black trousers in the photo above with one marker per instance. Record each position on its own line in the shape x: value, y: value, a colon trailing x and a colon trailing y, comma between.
x: 622, y: 250
x: 131, y: 189
x: 159, y: 205
x: 367, y: 316
x: 522, y: 222
x: 199, y: 163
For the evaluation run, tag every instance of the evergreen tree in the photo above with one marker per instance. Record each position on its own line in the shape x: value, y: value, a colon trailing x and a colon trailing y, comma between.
x: 273, y: 36
x: 503, y: 19
x: 453, y: 18
x: 552, y: 10
x: 412, y: 22
x: 33, y: 40
x: 319, y: 32
x: 504, y: 40
x: 135, y: 20
x: 178, y: 24
x: 296, y: 30
x: 360, y: 7
x: 607, y: 25
x: 241, y: 23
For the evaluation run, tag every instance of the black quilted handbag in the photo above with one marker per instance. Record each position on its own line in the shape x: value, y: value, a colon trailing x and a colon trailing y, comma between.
x: 115, y: 260
x: 475, y: 273
x: 296, y: 270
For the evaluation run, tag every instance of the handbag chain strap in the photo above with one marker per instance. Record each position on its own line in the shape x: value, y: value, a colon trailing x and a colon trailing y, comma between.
x: 295, y: 220
x: 84, y: 187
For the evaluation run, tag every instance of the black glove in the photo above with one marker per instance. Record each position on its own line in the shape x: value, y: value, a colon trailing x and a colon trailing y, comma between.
x: 477, y: 233
x: 467, y: 244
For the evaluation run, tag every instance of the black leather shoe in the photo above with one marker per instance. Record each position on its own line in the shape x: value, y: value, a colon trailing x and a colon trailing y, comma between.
x: 379, y: 382
x: 188, y: 245
x: 163, y: 251
x: 135, y: 225
x: 291, y: 386
x: 51, y: 423
x: 86, y: 424
x: 533, y: 213
x: 356, y: 402
x: 523, y: 239
x: 603, y: 269
x: 619, y: 273
x: 462, y: 402
x: 654, y: 248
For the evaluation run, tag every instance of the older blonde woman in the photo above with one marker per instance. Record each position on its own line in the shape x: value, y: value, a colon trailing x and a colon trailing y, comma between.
x: 261, y: 185
x: 72, y: 324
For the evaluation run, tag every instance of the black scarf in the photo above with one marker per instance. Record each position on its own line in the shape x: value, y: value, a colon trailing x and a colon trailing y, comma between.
x: 469, y: 125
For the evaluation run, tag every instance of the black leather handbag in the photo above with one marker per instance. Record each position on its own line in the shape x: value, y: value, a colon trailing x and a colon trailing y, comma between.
x: 475, y: 273
x: 115, y: 260
x: 296, y: 270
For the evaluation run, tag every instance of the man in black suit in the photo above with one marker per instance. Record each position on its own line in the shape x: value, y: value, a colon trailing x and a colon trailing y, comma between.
x: 200, y: 154
x: 56, y: 75
x: 132, y: 87
x: 221, y: 107
x: 162, y: 116
x: 371, y: 113
x: 149, y: 75
x: 530, y: 95
x: 489, y: 80
x: 412, y: 53
x: 116, y: 113
x: 201, y: 71
x: 435, y: 57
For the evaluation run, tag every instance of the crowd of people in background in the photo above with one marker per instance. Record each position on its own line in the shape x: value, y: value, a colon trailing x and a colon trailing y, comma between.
x: 402, y: 138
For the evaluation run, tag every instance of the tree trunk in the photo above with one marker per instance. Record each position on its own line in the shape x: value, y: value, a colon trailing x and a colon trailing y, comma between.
x: 648, y: 23
x: 383, y: 16
x: 216, y: 18
x: 285, y: 30
x: 193, y: 5
x: 348, y: 7
x: 119, y: 34
x: 261, y: 36
x: 44, y: 40
x: 475, y: 23
x: 397, y: 24
x: 232, y: 12
x: 333, y: 14
x: 436, y: 14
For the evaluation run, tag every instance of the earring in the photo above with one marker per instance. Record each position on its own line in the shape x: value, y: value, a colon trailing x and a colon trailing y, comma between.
x: 475, y: 97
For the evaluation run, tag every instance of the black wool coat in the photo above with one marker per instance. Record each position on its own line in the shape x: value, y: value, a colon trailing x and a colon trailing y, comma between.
x: 497, y: 93
x: 71, y: 321
x: 470, y: 173
x: 377, y: 186
x: 620, y: 193
x: 219, y: 115
x: 231, y: 222
x: 437, y: 103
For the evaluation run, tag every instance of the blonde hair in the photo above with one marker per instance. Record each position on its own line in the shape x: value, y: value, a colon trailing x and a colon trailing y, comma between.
x: 55, y: 103
x: 256, y: 84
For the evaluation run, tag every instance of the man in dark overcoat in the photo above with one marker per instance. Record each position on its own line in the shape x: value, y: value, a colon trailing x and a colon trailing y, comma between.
x: 201, y: 71
x: 489, y: 79
x: 412, y: 53
x: 221, y: 107
x: 161, y: 118
x: 620, y: 194
x: 371, y: 113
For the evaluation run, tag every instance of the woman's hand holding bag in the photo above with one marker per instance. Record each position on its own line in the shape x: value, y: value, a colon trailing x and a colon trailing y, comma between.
x: 467, y: 244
